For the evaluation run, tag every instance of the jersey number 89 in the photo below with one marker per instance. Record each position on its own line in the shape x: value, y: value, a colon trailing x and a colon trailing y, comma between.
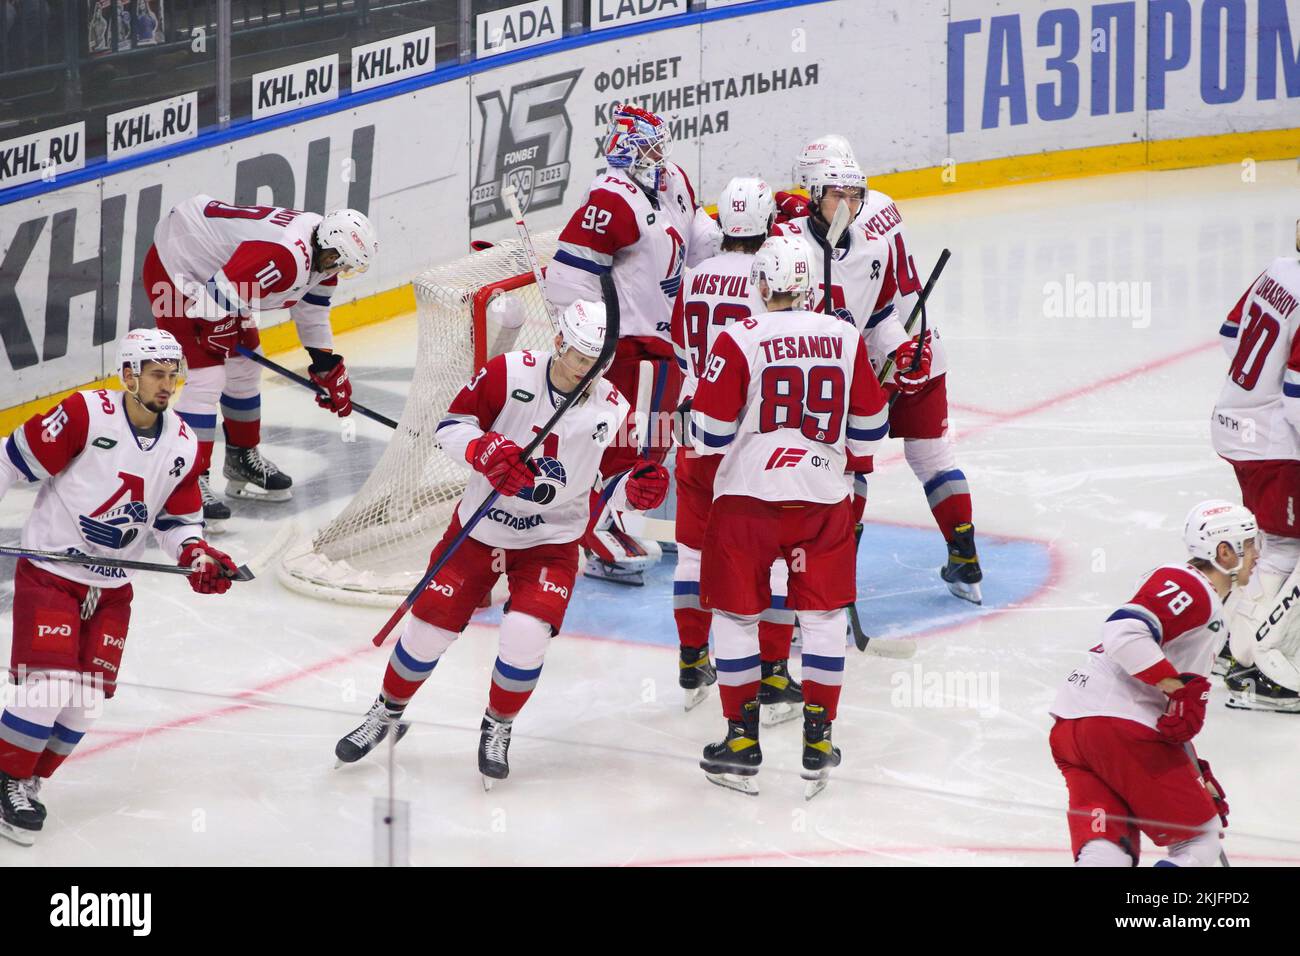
x: 811, y: 401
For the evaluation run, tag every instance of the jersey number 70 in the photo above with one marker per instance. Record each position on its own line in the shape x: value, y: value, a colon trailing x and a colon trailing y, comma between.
x: 1259, y: 333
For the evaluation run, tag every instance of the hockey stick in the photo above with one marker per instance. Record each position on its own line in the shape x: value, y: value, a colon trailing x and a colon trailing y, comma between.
x: 917, y: 310
x: 530, y: 252
x: 1190, y: 749
x: 610, y: 294
x: 86, y: 561
x: 645, y: 382
x: 839, y: 222
x: 308, y: 383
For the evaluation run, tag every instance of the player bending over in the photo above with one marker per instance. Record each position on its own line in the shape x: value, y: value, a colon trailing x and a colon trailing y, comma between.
x: 789, y: 400
x: 919, y: 415
x: 211, y: 267
x: 1256, y: 427
x: 111, y: 465
x: 532, y: 533
x: 713, y: 295
x: 1126, y: 717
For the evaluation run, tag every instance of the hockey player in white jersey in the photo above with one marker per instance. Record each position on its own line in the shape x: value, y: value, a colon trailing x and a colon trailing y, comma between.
x: 211, y: 269
x: 639, y: 220
x: 1256, y: 427
x: 113, y: 468
x: 1126, y: 717
x: 918, y: 417
x: 714, y: 294
x: 788, y: 398
x: 532, y: 532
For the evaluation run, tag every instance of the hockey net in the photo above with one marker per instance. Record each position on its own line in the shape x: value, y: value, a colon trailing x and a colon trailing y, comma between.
x: 379, y: 545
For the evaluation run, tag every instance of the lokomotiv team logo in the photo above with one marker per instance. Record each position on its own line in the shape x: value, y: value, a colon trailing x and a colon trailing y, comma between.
x: 524, y: 144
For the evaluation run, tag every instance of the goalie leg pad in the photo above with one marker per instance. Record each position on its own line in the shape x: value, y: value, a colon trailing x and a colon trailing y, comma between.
x: 1265, y: 627
x: 620, y: 557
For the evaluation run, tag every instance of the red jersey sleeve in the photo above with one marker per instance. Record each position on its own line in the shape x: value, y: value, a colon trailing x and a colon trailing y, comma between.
x: 720, y: 398
x: 482, y: 399
x: 1232, y: 324
x: 596, y: 231
x: 868, y: 421
x: 47, y: 442
x: 255, y: 270
x: 1171, y: 602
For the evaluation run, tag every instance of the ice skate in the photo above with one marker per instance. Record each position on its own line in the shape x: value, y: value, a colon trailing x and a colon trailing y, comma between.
x: 249, y: 474
x: 819, y: 754
x: 779, y: 695
x: 962, y: 574
x: 20, y: 821
x: 695, y: 673
x: 733, y: 762
x: 1224, y: 663
x: 493, y: 750
x: 215, y: 511
x: 1249, y: 689
x: 372, y: 732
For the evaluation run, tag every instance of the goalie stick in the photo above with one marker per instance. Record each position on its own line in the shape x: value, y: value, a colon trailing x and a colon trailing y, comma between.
x: 610, y: 295
x: 89, y: 561
x: 308, y: 383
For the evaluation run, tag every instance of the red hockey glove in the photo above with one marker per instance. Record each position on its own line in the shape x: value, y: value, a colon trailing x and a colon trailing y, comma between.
x: 1186, y: 713
x: 1216, y: 791
x: 249, y: 337
x: 220, y: 338
x: 214, y: 569
x: 647, y: 486
x: 500, y: 460
x: 331, y: 376
x: 790, y: 206
x: 905, y: 380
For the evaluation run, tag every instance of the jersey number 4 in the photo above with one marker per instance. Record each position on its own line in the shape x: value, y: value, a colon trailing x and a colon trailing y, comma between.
x: 810, y: 400
x: 1258, y: 336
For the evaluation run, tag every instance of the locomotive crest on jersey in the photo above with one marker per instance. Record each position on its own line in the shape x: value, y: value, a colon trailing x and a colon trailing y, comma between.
x: 550, y: 478
x: 524, y: 144
x: 672, y: 282
x: 117, y: 522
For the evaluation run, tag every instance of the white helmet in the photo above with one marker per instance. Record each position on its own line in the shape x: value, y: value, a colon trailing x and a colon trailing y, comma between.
x: 783, y: 262
x: 148, y: 345
x: 828, y: 147
x: 582, y: 327
x: 746, y: 207
x: 845, y: 174
x: 1214, y: 521
x: 351, y: 235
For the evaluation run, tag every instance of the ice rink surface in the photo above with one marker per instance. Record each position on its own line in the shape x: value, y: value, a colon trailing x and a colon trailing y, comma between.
x: 1084, y: 436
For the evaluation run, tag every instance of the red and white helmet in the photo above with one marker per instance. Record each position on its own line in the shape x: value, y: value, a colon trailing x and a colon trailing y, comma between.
x: 638, y: 141
x: 746, y: 207
x: 782, y: 262
x: 582, y: 327
x: 829, y: 147
x: 844, y: 174
x: 148, y: 345
x: 351, y: 235
x: 1212, y: 522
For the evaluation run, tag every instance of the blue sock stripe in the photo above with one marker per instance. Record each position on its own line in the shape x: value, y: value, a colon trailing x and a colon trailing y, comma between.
x: 241, y: 403
x: 517, y: 673
x: 72, y: 737
x: 686, y: 587
x: 410, y: 663
x: 943, y: 477
x: 736, y: 664
x: 822, y: 663
x: 24, y: 727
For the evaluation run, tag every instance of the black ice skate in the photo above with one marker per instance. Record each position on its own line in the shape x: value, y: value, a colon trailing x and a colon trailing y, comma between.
x: 779, y: 694
x: 20, y: 821
x: 819, y: 754
x: 962, y: 573
x: 215, y: 510
x: 1249, y: 689
x: 33, y: 785
x: 371, y: 733
x: 251, y: 475
x: 695, y: 673
x: 733, y: 762
x: 493, y: 750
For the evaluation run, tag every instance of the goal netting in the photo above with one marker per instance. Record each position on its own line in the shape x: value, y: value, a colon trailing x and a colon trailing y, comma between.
x: 379, y: 545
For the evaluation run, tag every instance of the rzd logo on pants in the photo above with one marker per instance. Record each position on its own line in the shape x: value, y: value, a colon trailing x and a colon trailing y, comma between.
x: 55, y: 632
x: 525, y: 146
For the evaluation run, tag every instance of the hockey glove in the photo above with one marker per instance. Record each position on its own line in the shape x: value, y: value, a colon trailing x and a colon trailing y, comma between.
x: 1216, y: 791
x: 500, y: 460
x: 330, y: 375
x: 910, y: 382
x: 790, y: 206
x: 249, y: 337
x: 647, y: 486
x: 1186, y: 712
x: 220, y: 338
x: 213, y: 568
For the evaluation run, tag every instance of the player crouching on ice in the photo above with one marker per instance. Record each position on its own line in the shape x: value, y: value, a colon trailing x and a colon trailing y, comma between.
x: 111, y: 465
x: 791, y: 402
x: 1125, y: 719
x: 533, y: 531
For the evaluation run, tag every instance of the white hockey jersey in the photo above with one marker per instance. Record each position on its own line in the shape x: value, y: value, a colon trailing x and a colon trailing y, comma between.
x: 512, y: 395
x: 103, y: 486
x: 863, y: 284
x: 881, y: 217
x: 238, y: 260
x: 1176, y: 616
x: 1258, y: 412
x: 645, y: 244
x: 714, y: 294
x: 791, y: 400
